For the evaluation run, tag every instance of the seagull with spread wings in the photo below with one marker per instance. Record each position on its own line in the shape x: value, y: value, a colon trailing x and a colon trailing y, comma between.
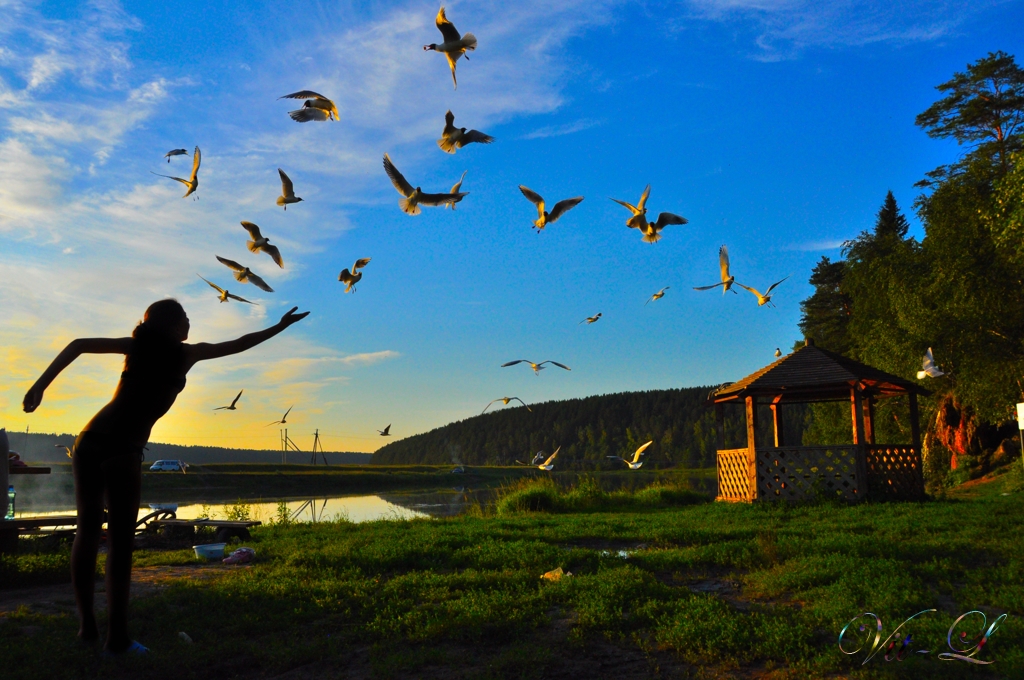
x: 386, y: 432
x: 506, y: 400
x: 224, y: 295
x: 284, y: 418
x: 230, y: 407
x: 192, y: 182
x: 928, y: 367
x: 636, y: 462
x: 260, y: 243
x: 316, y: 107
x: 544, y: 217
x: 175, y: 152
x: 657, y: 296
x: 453, y: 138
x: 727, y: 278
x: 591, y: 319
x: 414, y: 197
x: 763, y: 298
x: 454, y: 45
x: 548, y: 465
x: 537, y: 368
x: 287, y: 191
x: 351, y: 278
x: 651, y: 230
x: 244, y: 274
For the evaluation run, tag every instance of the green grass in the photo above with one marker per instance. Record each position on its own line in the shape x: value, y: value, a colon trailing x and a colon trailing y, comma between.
x: 706, y: 590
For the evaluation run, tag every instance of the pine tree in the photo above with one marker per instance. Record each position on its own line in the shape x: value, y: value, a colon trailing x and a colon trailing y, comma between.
x: 826, y: 313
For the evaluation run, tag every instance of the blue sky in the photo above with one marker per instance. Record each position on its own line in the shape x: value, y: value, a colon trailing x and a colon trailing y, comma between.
x: 774, y: 127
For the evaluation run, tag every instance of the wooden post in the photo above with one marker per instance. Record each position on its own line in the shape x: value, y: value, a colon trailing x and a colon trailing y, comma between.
x: 777, y: 422
x: 915, y: 425
x: 860, y: 450
x: 751, y: 404
x: 869, y: 420
x: 857, y: 413
x: 720, y: 427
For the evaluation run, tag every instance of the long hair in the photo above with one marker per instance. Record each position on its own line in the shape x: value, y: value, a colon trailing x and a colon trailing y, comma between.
x: 156, y: 348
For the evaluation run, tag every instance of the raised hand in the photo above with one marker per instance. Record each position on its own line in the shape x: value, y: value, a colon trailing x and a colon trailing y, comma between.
x: 291, y: 317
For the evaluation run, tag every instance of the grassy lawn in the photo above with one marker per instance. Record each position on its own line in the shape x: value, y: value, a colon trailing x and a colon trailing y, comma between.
x: 662, y: 585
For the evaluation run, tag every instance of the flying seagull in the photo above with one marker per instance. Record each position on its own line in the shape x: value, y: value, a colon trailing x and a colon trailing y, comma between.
x: 651, y: 230
x: 287, y: 191
x: 766, y: 297
x: 455, y: 138
x: 548, y: 465
x: 175, y: 152
x: 636, y: 462
x: 386, y: 432
x: 260, y: 243
x: 244, y: 274
x: 413, y: 198
x: 727, y: 279
x: 506, y: 400
x: 455, y: 189
x: 657, y: 296
x: 928, y: 367
x: 233, y: 402
x: 778, y: 352
x: 67, y: 449
x: 544, y: 217
x: 224, y: 295
x: 316, y: 107
x: 284, y: 418
x: 591, y: 319
x: 192, y: 182
x: 536, y: 367
x: 454, y: 45
x: 351, y: 278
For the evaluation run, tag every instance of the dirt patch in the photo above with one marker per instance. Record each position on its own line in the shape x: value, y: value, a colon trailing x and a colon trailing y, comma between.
x: 60, y: 599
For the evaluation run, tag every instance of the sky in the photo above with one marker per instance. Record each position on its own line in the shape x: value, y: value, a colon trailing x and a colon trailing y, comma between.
x: 774, y: 127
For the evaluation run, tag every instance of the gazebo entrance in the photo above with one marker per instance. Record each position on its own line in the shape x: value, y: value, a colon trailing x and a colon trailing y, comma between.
x: 794, y: 473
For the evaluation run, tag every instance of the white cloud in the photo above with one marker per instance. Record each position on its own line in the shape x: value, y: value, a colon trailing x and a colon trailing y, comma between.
x: 564, y: 129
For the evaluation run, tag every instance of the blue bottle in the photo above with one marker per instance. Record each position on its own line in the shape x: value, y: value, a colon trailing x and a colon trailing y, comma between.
x: 10, y: 502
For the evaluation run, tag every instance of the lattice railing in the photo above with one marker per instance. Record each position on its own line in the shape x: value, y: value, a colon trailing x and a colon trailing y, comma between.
x: 894, y: 472
x: 733, y: 484
x: 796, y: 473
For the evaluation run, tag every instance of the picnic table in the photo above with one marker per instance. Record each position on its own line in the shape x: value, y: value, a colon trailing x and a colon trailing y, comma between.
x: 225, y: 529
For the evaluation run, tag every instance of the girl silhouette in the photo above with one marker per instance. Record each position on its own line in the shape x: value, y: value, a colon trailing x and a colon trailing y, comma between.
x: 107, y: 457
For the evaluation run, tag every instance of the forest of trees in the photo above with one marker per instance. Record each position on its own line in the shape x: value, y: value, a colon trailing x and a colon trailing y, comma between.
x: 588, y: 430
x: 959, y: 290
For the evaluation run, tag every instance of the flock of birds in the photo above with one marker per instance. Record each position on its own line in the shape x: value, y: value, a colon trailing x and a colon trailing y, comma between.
x: 319, y: 108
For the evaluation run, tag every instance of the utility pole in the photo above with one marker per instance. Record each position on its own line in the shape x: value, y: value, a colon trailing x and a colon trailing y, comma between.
x: 284, y: 446
x: 318, y: 444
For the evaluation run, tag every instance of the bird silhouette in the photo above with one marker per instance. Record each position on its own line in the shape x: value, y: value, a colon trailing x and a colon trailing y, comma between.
x: 175, y: 152
x: 544, y: 217
x: 506, y: 400
x: 453, y: 138
x: 244, y: 274
x: 192, y: 182
x: 762, y: 298
x: 284, y: 418
x: 231, y: 406
x: 635, y: 463
x: 657, y: 296
x: 536, y: 367
x: 651, y: 230
x: 224, y: 295
x: 351, y: 278
x: 386, y: 432
x: 316, y: 107
x: 260, y: 243
x: 727, y: 278
x: 591, y: 319
x: 454, y: 45
x: 414, y: 197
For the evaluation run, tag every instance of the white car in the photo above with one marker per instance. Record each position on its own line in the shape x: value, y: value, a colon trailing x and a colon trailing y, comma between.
x: 168, y: 466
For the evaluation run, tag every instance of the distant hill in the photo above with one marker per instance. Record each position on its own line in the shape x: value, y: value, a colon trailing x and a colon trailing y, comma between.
x: 588, y: 430
x: 42, y: 448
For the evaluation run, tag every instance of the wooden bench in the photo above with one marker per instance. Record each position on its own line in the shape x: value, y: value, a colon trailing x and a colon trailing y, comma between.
x: 225, y: 529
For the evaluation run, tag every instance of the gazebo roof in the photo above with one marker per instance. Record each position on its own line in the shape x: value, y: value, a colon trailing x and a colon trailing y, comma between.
x: 813, y: 374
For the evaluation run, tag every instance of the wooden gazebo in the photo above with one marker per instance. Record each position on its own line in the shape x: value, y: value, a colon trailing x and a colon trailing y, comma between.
x: 794, y: 473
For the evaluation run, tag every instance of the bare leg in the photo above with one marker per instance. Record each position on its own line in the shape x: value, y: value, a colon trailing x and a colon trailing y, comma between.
x: 89, y: 502
x: 123, y: 480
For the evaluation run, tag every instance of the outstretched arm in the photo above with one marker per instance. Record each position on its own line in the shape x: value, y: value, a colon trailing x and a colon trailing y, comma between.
x: 206, y: 350
x: 74, y: 349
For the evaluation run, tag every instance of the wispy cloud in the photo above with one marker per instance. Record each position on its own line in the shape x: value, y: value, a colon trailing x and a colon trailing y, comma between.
x: 784, y: 29
x: 812, y: 246
x: 564, y: 129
